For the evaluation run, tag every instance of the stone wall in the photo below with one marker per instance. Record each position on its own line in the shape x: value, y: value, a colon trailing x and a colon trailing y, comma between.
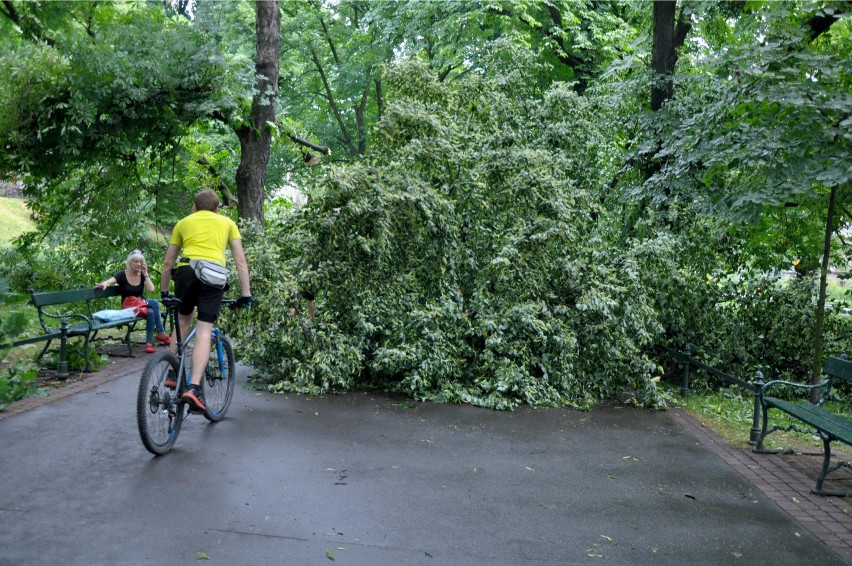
x: 11, y: 190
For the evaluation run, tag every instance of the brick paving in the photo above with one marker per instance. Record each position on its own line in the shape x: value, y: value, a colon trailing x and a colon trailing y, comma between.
x: 786, y: 479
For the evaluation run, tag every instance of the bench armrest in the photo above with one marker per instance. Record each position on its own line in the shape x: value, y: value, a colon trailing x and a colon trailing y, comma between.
x: 71, y: 315
x: 803, y: 386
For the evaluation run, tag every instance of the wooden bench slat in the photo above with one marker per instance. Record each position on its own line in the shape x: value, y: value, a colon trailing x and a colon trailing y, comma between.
x: 839, y: 368
x: 816, y: 416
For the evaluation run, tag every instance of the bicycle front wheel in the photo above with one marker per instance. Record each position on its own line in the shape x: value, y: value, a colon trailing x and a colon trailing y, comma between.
x: 219, y: 379
x: 158, y: 413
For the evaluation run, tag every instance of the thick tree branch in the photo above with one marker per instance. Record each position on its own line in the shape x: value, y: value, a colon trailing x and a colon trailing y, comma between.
x: 820, y: 23
x: 331, y: 101
x: 330, y: 42
x: 8, y: 10
x: 682, y: 29
x: 313, y: 146
x: 380, y: 99
x: 230, y: 198
x: 446, y: 72
x: 360, y: 122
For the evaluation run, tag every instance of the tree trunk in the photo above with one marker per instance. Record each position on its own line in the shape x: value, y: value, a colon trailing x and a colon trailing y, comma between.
x: 380, y: 99
x: 360, y: 122
x: 256, y: 139
x: 668, y: 37
x: 663, y: 54
x: 816, y: 367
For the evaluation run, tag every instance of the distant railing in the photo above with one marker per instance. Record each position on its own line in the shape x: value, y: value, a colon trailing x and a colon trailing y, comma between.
x: 688, y: 362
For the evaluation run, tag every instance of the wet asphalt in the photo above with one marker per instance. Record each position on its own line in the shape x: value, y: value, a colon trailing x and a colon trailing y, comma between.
x: 369, y: 479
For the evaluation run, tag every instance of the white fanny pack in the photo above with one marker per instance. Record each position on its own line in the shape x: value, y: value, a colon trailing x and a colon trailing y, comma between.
x: 210, y: 272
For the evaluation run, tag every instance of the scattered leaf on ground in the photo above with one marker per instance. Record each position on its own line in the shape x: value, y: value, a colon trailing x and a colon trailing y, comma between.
x: 203, y: 556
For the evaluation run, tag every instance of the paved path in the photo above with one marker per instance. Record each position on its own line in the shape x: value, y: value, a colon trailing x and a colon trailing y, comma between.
x: 367, y: 479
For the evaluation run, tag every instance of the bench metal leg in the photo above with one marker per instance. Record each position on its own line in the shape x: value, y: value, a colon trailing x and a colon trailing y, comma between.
x: 62, y: 364
x: 763, y: 434
x: 766, y: 431
x: 127, y: 341
x: 828, y: 468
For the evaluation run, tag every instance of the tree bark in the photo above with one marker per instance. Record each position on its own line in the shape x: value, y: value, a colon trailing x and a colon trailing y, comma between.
x: 819, y: 322
x: 820, y: 23
x: 380, y: 99
x: 360, y: 122
x: 256, y: 138
x: 667, y: 38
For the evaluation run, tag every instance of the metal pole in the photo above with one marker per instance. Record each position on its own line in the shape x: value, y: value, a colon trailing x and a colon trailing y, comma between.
x: 755, y: 422
x: 684, y: 386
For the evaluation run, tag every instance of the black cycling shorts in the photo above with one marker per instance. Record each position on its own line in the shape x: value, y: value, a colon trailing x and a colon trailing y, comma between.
x: 193, y: 293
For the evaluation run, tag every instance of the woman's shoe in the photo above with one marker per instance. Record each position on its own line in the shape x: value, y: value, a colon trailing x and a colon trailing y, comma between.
x: 163, y: 338
x: 149, y: 348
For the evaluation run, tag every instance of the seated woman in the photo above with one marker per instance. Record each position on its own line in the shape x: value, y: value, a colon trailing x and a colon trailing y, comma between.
x: 133, y: 281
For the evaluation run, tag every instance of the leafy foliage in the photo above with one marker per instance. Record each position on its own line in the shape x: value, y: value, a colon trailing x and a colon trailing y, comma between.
x: 16, y: 377
x: 467, y: 268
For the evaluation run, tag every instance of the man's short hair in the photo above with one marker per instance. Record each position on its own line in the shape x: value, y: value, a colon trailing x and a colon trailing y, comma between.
x: 206, y: 200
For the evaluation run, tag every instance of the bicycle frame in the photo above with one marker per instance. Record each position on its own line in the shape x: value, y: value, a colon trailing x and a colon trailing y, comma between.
x: 186, y: 365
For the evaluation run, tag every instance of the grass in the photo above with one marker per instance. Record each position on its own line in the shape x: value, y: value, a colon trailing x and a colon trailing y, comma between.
x: 729, y: 412
x: 16, y: 220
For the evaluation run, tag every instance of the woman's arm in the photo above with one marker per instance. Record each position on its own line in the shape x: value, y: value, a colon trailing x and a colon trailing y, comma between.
x: 107, y: 283
x: 147, y: 284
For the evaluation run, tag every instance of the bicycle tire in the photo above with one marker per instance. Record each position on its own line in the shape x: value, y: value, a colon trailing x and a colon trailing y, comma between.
x: 219, y: 380
x: 159, y: 415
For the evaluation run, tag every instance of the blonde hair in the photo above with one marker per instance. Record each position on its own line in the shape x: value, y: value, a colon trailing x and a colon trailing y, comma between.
x: 133, y: 255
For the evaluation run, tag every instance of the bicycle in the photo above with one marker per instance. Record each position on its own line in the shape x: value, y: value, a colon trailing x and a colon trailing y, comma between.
x: 160, y: 411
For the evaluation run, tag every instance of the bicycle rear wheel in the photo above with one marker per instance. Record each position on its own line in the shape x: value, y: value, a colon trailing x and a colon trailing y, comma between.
x: 158, y: 413
x: 219, y: 379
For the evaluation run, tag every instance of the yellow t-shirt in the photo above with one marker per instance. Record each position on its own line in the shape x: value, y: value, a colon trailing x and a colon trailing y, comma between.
x: 205, y: 235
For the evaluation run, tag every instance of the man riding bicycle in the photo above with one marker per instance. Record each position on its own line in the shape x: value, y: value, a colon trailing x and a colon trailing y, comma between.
x: 202, y: 237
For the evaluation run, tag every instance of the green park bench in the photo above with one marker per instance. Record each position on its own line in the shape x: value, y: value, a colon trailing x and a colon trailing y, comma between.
x: 825, y: 424
x: 69, y: 314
